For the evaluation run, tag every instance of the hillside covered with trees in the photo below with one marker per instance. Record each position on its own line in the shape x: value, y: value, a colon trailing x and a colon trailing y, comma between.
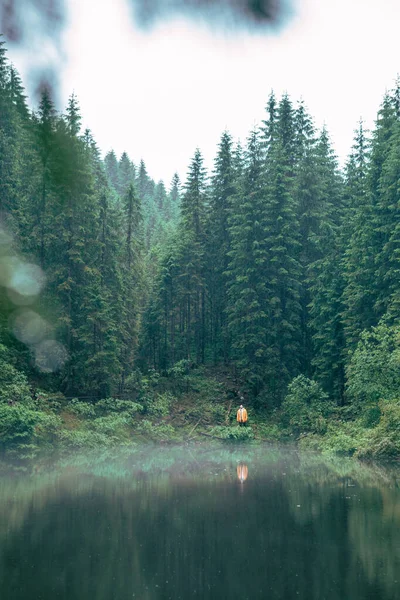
x: 122, y: 298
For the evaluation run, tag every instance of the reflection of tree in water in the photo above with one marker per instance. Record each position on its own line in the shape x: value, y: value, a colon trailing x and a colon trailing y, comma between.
x: 123, y: 532
x: 374, y: 535
x: 364, y: 502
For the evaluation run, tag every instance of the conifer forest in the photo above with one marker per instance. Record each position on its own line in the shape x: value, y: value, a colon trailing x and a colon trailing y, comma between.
x: 126, y: 301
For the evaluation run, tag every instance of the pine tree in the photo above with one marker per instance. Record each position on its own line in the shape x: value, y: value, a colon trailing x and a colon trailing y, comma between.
x: 248, y: 318
x: 325, y: 275
x: 387, y: 259
x: 311, y: 215
x: 99, y: 331
x: 357, y: 264
x: 270, y: 124
x: 132, y: 276
x: 219, y: 245
x: 11, y: 135
x: 191, y: 259
x: 126, y: 174
x: 145, y: 187
x: 283, y: 274
x: 72, y: 116
x: 366, y: 294
x: 46, y: 139
x: 3, y: 66
x: 174, y: 198
x: 112, y: 171
x: 160, y: 197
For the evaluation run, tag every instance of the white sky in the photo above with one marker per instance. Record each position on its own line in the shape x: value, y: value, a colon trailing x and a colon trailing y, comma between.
x: 159, y: 94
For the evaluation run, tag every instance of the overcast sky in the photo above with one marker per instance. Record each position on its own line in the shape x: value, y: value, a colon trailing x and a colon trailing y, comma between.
x: 161, y: 93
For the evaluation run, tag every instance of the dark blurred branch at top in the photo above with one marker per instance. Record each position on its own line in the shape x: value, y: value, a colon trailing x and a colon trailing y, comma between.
x: 36, y: 25
x: 17, y: 17
x: 220, y: 14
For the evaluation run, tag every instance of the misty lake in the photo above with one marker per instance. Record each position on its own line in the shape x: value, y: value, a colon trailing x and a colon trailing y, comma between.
x: 205, y: 522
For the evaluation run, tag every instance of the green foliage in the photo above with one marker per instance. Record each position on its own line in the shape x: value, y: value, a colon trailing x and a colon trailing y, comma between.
x: 162, y: 432
x: 85, y: 439
x: 270, y: 432
x: 83, y: 409
x: 13, y: 384
x: 342, y: 438
x: 306, y: 407
x: 159, y: 405
x: 148, y: 382
x: 205, y: 411
x: 383, y: 441
x: 278, y: 263
x: 111, y: 425
x: 180, y: 370
x: 119, y: 406
x: 373, y: 372
x: 23, y: 427
x: 233, y: 434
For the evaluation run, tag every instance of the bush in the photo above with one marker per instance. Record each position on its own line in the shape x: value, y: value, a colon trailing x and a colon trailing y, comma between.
x: 115, y: 405
x: 306, y: 407
x: 21, y: 426
x: 233, y: 434
x: 13, y: 384
x: 159, y: 405
x: 373, y: 373
x: 49, y: 401
x: 270, y: 431
x: 383, y: 441
x: 149, y: 381
x: 180, y: 372
x: 84, y: 439
x: 83, y: 409
x: 180, y: 369
x: 110, y: 425
x: 162, y: 432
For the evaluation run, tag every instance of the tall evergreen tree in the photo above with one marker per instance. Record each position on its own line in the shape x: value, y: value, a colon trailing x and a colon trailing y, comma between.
x: 366, y: 294
x: 72, y: 116
x: 325, y: 275
x: 132, y: 274
x: 248, y: 317
x: 112, y: 171
x: 173, y: 204
x: 191, y: 259
x: 219, y: 245
x: 126, y: 174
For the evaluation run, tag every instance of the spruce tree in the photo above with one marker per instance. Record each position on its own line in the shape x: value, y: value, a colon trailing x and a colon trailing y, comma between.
x: 112, y: 171
x: 219, y: 245
x: 191, y: 259
x: 367, y: 293
x: 126, y: 174
x: 325, y: 274
x: 247, y: 311
x: 132, y: 277
x: 72, y: 116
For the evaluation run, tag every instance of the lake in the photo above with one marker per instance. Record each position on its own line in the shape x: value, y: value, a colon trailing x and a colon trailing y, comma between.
x: 199, y: 521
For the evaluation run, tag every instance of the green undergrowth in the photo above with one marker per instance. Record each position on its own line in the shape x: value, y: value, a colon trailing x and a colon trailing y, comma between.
x: 188, y: 403
x: 232, y: 433
x: 183, y: 404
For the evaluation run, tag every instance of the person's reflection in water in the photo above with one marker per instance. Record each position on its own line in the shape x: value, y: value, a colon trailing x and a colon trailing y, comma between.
x: 242, y: 472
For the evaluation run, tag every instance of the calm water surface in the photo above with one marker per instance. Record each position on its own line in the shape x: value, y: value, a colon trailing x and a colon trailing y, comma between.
x: 200, y: 522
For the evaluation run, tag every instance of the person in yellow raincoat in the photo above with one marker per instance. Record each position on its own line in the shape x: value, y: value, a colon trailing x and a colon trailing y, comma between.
x: 241, y: 416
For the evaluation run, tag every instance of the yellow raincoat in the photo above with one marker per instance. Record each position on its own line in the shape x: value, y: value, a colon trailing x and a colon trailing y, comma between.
x: 241, y: 416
